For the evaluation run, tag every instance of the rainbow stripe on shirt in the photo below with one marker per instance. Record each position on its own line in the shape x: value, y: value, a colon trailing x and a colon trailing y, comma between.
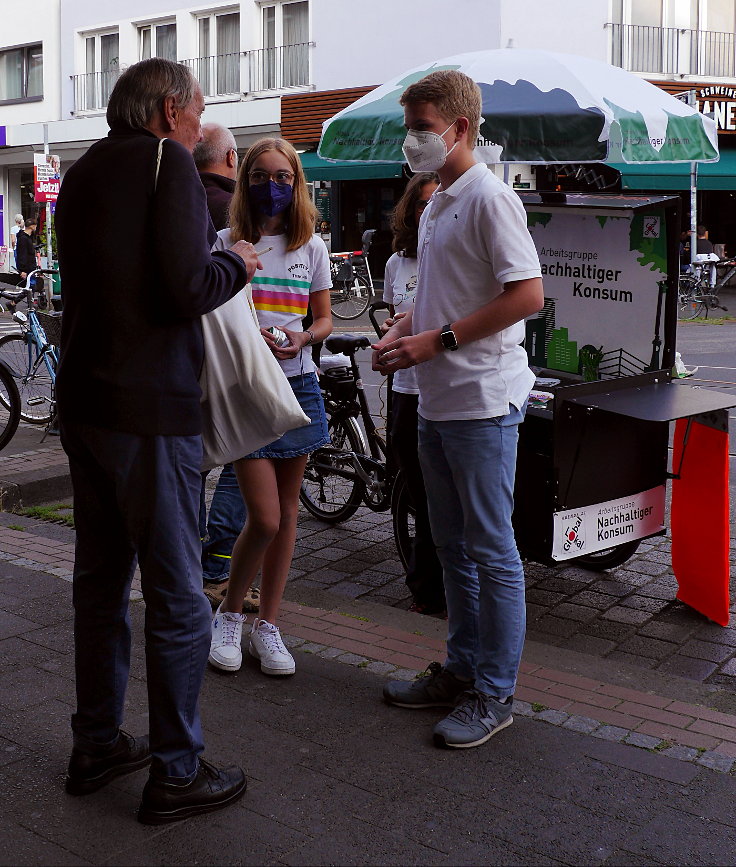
x: 281, y: 295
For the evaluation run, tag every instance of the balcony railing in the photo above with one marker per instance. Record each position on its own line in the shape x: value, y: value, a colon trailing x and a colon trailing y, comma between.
x: 673, y: 51
x: 220, y: 75
x: 92, y: 90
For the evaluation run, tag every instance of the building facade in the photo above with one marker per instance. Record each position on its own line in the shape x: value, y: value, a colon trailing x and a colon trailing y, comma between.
x: 268, y: 66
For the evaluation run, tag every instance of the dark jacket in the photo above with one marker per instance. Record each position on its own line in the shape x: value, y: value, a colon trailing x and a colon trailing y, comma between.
x: 131, y: 345
x: 25, y: 253
x: 219, y: 190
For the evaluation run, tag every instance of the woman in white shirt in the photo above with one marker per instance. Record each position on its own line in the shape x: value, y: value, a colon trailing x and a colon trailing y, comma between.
x: 424, y: 575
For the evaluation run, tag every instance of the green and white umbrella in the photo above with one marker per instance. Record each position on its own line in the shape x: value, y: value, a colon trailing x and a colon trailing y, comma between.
x: 538, y: 107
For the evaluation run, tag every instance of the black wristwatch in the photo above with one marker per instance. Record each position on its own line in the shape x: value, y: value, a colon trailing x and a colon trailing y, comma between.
x: 447, y: 336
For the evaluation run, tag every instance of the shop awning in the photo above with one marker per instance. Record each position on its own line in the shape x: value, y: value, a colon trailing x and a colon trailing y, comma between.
x: 317, y: 169
x: 676, y: 176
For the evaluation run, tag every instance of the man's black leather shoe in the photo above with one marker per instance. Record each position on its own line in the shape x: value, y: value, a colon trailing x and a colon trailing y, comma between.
x: 211, y: 789
x: 88, y: 773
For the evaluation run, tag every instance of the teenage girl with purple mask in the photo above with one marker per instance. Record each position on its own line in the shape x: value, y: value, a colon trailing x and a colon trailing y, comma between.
x: 271, y: 209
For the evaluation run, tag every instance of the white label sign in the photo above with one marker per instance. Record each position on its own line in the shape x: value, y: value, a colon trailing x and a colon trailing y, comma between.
x: 605, y: 525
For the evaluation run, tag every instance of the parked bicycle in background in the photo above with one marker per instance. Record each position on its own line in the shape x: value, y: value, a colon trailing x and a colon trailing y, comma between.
x: 352, y: 282
x: 699, y: 291
x: 32, y: 355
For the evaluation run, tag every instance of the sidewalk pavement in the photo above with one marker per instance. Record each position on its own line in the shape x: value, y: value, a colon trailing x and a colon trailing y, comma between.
x: 605, y: 764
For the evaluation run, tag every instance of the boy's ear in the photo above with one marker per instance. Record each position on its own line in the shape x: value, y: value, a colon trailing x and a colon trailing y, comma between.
x: 462, y: 125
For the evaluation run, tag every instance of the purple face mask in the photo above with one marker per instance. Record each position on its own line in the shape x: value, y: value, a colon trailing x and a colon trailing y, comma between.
x: 271, y: 198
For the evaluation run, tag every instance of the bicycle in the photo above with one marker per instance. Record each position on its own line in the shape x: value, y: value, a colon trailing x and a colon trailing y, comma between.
x: 357, y: 467
x: 352, y: 282
x: 696, y: 296
x: 32, y: 356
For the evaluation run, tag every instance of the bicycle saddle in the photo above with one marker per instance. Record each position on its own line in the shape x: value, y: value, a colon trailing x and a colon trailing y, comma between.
x: 347, y: 343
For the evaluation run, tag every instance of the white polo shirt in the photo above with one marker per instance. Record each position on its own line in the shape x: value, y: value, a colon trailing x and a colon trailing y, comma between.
x: 473, y: 239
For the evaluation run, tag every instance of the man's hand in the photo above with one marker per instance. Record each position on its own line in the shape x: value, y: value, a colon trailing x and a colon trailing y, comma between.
x: 247, y: 253
x: 391, y: 354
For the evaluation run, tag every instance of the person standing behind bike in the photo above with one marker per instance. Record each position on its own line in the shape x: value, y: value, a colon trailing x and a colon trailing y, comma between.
x: 271, y: 208
x: 424, y: 574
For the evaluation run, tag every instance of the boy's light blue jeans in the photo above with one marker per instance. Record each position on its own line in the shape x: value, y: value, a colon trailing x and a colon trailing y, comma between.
x: 469, y: 469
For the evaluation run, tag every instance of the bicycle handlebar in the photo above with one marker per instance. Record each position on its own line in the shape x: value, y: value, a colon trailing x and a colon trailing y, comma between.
x: 18, y: 294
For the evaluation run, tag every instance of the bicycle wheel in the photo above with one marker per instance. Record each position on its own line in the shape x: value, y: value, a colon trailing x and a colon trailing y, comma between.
x: 609, y: 558
x: 34, y: 384
x: 327, y: 495
x: 690, y: 302
x: 349, y: 300
x: 402, y: 513
x: 10, y: 409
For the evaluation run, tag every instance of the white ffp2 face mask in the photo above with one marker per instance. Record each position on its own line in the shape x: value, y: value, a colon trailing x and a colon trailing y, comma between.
x: 426, y: 151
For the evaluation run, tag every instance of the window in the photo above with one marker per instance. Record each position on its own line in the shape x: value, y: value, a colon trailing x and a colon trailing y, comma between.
x: 285, y: 45
x: 21, y: 73
x: 157, y: 40
x: 219, y: 53
x: 102, y: 59
x: 720, y: 15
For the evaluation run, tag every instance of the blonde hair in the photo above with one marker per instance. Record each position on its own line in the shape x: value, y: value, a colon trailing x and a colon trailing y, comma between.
x: 453, y: 94
x: 301, y: 214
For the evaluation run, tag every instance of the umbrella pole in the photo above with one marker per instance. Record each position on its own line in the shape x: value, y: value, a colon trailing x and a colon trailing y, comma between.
x: 693, y: 211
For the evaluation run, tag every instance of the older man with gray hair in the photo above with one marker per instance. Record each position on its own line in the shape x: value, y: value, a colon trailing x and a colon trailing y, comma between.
x: 129, y: 409
x: 216, y: 159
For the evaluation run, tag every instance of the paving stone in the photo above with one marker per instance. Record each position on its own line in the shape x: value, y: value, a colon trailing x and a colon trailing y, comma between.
x: 649, y: 647
x: 685, y: 754
x: 378, y: 579
x: 611, y: 588
x: 382, y: 668
x: 534, y: 612
x: 717, y: 634
x: 644, y: 603
x: 349, y: 589
x: 540, y: 596
x: 708, y: 650
x: 673, y: 632
x: 522, y: 708
x: 648, y: 742
x: 353, y: 659
x: 583, y: 724
x: 331, y: 652
x: 609, y: 629
x: 556, y: 717
x: 578, y: 613
x: 404, y: 674
x: 716, y: 761
x: 292, y: 640
x: 611, y: 733
x: 686, y: 666
x: 633, y: 579
x: 595, y: 600
x: 644, y: 565
x: 657, y: 590
x: 729, y: 668
x: 626, y: 615
x: 312, y: 647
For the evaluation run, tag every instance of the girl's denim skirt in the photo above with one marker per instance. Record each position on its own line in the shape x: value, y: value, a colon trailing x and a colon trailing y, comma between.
x: 301, y: 440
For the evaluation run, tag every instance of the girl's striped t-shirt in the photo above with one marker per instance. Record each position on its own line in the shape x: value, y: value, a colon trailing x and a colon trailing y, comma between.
x: 281, y: 290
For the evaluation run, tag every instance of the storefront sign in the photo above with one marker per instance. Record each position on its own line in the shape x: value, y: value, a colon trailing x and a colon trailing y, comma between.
x: 3, y: 255
x: 601, y: 278
x: 718, y: 99
x: 606, y: 525
x: 46, y: 177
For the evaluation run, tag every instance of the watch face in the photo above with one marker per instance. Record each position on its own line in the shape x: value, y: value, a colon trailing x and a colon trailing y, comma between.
x: 449, y: 341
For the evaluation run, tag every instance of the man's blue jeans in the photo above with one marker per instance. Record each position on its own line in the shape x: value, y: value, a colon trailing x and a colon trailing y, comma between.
x: 469, y: 469
x: 137, y: 497
x: 220, y: 530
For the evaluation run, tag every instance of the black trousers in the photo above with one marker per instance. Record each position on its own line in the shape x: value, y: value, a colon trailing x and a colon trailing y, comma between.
x: 424, y: 575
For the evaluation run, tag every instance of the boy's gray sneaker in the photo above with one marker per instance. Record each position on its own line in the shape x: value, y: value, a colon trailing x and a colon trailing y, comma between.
x: 436, y: 687
x: 476, y: 718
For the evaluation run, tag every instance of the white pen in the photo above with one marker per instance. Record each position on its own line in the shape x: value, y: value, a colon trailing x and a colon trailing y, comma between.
x: 264, y: 250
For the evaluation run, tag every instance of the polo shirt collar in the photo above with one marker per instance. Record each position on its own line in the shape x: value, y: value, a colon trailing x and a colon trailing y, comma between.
x: 467, y: 177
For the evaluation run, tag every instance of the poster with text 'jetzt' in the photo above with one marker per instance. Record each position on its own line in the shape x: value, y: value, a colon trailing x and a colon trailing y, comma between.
x: 602, y: 275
